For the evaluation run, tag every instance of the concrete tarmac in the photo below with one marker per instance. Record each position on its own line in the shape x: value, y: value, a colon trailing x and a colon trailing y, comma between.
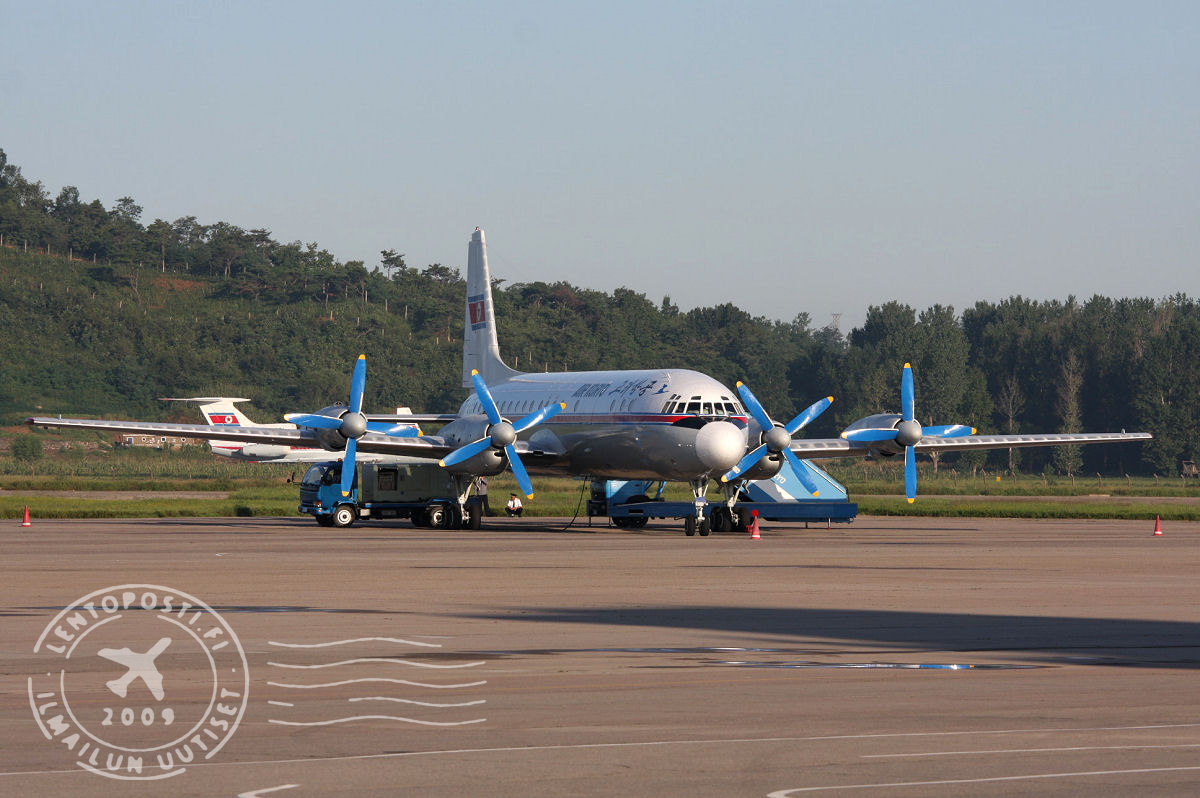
x: 891, y: 657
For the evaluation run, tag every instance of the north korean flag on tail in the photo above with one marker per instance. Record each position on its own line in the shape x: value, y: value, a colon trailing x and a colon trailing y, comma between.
x: 476, y: 312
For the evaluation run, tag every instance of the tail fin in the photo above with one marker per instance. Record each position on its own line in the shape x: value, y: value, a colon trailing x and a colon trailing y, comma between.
x: 481, y: 350
x: 218, y: 409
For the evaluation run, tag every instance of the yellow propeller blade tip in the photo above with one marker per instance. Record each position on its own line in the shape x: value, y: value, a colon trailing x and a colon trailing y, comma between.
x: 529, y: 496
x: 344, y: 493
x: 562, y: 405
x: 816, y: 493
x: 442, y: 463
x: 474, y: 372
x: 362, y: 357
x: 908, y: 365
x: 910, y: 501
x: 830, y: 398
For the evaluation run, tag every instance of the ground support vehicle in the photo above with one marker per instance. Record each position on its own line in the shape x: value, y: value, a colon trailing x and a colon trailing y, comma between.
x: 422, y: 493
x: 632, y: 503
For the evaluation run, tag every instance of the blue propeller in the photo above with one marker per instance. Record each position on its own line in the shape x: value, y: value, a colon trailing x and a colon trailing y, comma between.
x: 352, y: 424
x: 776, y: 439
x: 908, y: 432
x: 501, y: 434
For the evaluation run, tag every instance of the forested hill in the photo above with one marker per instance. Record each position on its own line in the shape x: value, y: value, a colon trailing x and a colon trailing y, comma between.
x: 102, y: 314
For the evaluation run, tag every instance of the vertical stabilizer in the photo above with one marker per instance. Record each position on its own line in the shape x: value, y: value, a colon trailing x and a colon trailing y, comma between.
x: 481, y: 349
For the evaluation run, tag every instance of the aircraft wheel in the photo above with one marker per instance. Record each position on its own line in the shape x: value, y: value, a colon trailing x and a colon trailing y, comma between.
x: 744, y: 521
x: 721, y: 520
x: 474, y: 517
x: 689, y: 526
x: 702, y: 526
x: 344, y: 516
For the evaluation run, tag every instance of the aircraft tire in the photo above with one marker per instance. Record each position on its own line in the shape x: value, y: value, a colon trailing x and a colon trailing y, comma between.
x: 343, y: 516
x: 744, y: 521
x: 703, y: 527
x: 474, y: 519
x: 689, y: 526
x: 721, y: 520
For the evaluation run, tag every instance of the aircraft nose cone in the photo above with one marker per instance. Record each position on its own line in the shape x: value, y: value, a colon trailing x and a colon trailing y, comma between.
x: 720, y: 444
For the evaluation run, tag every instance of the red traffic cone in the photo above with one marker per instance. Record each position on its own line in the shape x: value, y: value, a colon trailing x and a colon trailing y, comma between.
x: 25, y: 520
x: 1157, y: 526
x: 754, y: 533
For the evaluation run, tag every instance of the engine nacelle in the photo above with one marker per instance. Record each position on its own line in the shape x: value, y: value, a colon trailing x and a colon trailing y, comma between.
x: 765, y: 468
x: 880, y: 421
x: 469, y: 429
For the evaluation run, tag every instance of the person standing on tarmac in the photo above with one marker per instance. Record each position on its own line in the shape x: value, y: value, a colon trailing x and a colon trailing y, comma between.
x: 481, y: 490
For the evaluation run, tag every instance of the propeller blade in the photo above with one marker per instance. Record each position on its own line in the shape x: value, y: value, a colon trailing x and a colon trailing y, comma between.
x: 518, y: 469
x: 485, y: 398
x: 466, y: 452
x: 754, y: 406
x: 746, y: 462
x: 947, y: 431
x: 907, y: 410
x: 802, y: 472
x: 348, y: 466
x: 394, y: 430
x: 869, y: 435
x: 537, y: 417
x: 910, y: 473
x: 314, y: 420
x: 358, y: 383
x: 804, y: 419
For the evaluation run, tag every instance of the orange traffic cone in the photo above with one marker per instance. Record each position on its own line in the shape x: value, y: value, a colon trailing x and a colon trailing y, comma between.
x: 1157, y: 526
x: 25, y: 520
x: 754, y: 533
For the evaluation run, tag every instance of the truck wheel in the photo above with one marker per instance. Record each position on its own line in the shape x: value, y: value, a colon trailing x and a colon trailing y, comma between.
x: 436, y: 516
x: 344, y: 516
x: 324, y: 520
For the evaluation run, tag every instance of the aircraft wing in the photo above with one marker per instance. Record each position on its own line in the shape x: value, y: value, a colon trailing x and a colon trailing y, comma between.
x: 840, y: 447
x: 429, y: 446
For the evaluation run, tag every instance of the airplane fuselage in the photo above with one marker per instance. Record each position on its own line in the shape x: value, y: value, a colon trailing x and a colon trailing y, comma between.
x: 618, y: 424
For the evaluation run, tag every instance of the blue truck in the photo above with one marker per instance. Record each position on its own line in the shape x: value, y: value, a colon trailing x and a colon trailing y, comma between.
x: 423, y: 493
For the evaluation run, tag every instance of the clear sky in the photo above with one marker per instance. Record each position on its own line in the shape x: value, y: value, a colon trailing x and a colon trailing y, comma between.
x: 816, y: 157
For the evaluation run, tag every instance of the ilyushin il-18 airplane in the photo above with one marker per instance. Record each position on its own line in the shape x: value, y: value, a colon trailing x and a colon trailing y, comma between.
x: 673, y: 425
x: 223, y: 411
